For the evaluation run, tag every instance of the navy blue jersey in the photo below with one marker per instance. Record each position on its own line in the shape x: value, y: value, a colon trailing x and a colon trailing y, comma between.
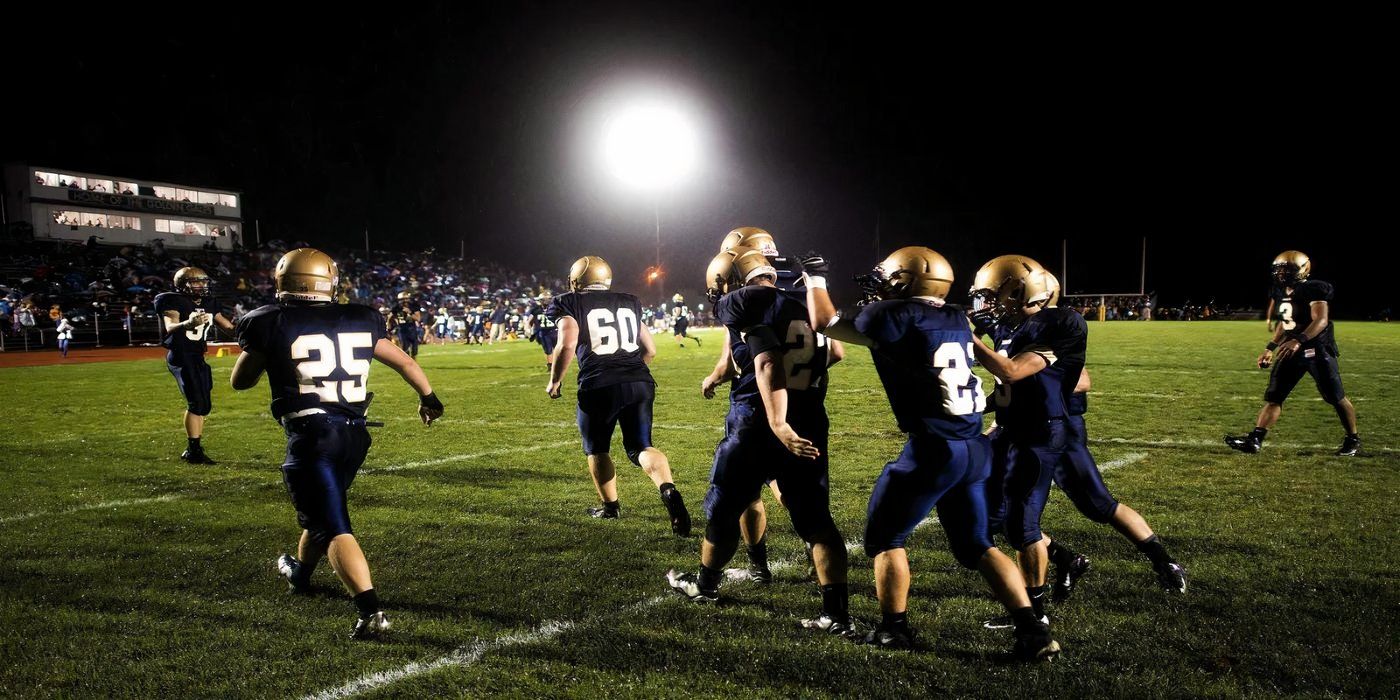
x: 923, y: 354
x: 318, y: 355
x: 761, y: 319
x: 541, y: 319
x: 1060, y: 336
x: 189, y: 342
x: 609, y: 348
x: 788, y: 278
x: 403, y: 322
x: 1293, y: 310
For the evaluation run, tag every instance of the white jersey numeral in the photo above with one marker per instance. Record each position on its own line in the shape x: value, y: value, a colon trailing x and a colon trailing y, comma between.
x: 607, y: 333
x: 962, y: 390
x: 1285, y: 314
x: 313, y: 374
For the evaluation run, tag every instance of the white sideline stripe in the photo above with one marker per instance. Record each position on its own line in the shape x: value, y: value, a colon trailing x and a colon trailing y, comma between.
x: 464, y: 656
x: 1129, y: 395
x: 1125, y: 460
x: 95, y: 506
x: 1225, y: 370
x: 467, y: 457
x: 1170, y: 442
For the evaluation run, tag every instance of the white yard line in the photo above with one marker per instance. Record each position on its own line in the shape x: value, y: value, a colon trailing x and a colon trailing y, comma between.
x: 1172, y: 442
x: 96, y: 506
x: 465, y: 656
x: 468, y: 457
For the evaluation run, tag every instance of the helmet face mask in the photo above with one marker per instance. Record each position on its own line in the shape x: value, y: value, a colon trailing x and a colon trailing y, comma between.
x: 1291, y: 267
x: 192, y: 281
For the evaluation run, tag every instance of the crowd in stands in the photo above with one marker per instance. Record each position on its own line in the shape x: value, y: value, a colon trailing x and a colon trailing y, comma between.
x: 40, y: 282
x: 1145, y: 308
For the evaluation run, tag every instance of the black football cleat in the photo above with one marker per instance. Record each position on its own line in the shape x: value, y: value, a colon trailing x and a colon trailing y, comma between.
x: 1350, y: 446
x: 891, y: 637
x: 1247, y: 444
x: 289, y: 568
x: 371, y: 627
x: 195, y: 455
x: 604, y: 513
x: 1172, y: 577
x: 1067, y: 576
x: 839, y: 628
x: 760, y: 575
x: 680, y: 517
x: 1035, y: 645
x: 688, y: 585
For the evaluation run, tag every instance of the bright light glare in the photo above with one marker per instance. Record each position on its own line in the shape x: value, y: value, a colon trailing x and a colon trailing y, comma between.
x: 650, y: 145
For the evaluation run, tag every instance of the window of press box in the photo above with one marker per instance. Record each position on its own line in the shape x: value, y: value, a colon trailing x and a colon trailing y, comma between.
x: 46, y: 179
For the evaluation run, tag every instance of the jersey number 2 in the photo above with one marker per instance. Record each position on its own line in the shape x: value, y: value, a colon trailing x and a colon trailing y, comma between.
x: 962, y: 390
x: 312, y: 374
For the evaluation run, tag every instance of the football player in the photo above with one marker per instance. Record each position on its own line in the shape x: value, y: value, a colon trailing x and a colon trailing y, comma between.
x: 1302, y: 344
x: 1008, y: 293
x: 922, y: 350
x: 317, y: 358
x: 614, y: 385
x: 754, y: 523
x: 1069, y: 565
x: 545, y: 332
x: 681, y: 321
x: 406, y: 325
x: 185, y: 316
x: 776, y: 430
x: 1041, y: 367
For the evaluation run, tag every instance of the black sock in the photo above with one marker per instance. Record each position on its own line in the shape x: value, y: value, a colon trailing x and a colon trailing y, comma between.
x: 1037, y: 596
x: 194, y: 443
x: 367, y: 603
x: 709, y: 578
x: 894, y: 621
x: 1025, y: 618
x: 758, y: 553
x: 1154, y: 550
x: 668, y: 486
x: 1259, y: 433
x: 836, y: 600
x: 612, y: 506
x: 303, y: 575
x: 1354, y: 436
x: 1060, y: 554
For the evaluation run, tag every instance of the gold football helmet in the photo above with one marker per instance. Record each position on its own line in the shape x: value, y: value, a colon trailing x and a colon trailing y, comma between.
x: 306, y: 274
x: 1008, y: 282
x: 912, y: 271
x: 192, y: 280
x: 590, y: 272
x: 678, y: 299
x: 735, y: 268
x: 1291, y: 267
x: 750, y: 237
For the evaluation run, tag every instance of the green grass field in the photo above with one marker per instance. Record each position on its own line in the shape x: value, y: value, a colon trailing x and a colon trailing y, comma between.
x: 125, y: 572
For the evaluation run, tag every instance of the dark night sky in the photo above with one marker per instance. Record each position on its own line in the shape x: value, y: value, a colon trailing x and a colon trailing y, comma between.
x: 1221, y: 139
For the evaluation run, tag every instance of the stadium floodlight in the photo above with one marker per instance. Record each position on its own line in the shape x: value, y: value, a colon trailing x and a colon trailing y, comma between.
x: 650, y: 144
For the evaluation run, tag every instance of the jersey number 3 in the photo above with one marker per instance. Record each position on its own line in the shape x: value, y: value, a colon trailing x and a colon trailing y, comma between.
x: 313, y: 374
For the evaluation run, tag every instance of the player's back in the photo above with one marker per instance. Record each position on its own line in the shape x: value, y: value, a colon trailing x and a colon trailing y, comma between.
x: 1060, y: 336
x: 804, y: 350
x: 318, y: 355
x: 609, y: 348
x: 923, y: 354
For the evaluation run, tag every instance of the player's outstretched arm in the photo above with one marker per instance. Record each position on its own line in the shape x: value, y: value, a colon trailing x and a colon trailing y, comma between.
x: 429, y: 407
x: 563, y: 355
x: 821, y: 313
x: 1007, y: 369
x: 247, y: 370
